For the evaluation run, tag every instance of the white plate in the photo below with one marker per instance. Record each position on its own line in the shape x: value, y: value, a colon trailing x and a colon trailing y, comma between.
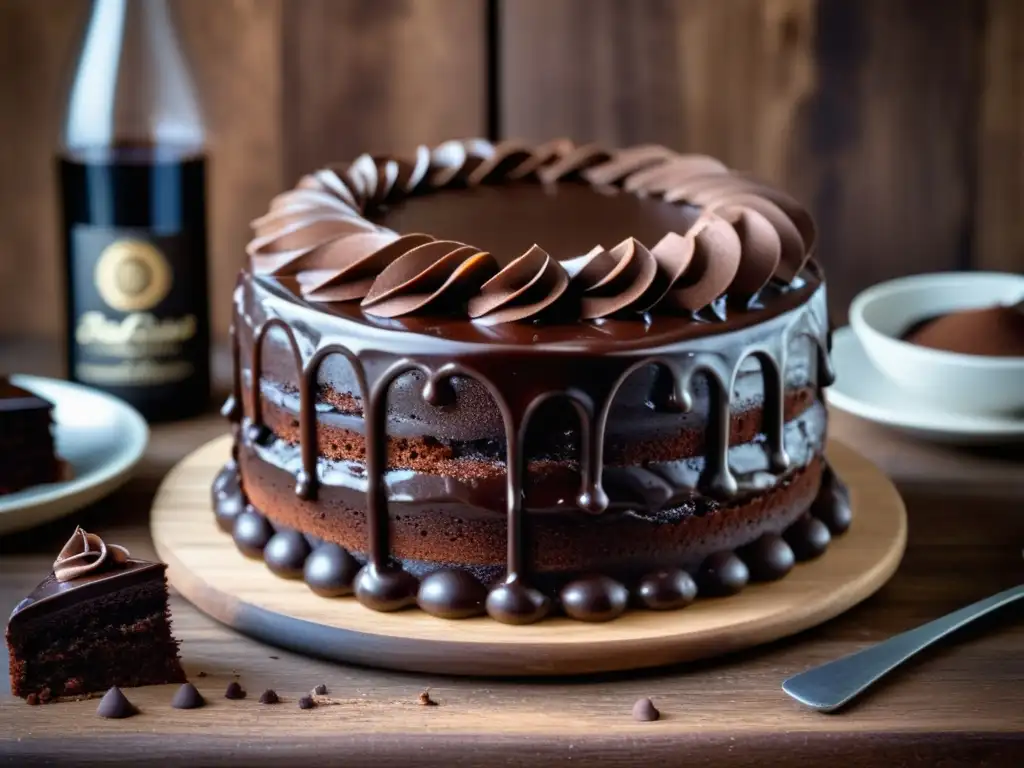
x: 864, y: 391
x: 101, y: 437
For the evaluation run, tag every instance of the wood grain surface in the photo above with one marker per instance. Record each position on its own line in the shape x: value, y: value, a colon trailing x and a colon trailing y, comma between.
x: 204, y: 565
x: 959, y: 705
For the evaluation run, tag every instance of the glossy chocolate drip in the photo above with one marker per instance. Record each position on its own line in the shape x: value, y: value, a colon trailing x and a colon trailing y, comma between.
x: 53, y: 595
x: 588, y: 378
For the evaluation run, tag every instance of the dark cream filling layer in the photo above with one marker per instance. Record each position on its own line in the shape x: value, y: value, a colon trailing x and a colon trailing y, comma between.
x: 643, y: 489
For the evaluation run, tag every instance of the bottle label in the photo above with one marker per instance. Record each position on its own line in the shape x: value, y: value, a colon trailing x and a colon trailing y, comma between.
x: 135, y: 323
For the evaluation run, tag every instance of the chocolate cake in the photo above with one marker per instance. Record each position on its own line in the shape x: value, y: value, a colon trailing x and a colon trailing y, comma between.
x: 527, y: 380
x: 27, y: 455
x: 100, y: 619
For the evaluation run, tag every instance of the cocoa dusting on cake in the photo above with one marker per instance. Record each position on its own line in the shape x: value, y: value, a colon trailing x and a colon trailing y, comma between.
x: 100, y: 619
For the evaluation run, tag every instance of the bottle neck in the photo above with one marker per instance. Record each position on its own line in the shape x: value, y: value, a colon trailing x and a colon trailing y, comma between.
x: 132, y: 86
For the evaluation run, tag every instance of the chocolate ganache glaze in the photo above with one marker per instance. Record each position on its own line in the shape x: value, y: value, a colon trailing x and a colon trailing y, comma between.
x: 85, y: 567
x: 630, y: 343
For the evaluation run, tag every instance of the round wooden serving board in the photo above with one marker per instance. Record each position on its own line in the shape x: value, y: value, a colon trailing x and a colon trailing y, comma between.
x: 205, y: 567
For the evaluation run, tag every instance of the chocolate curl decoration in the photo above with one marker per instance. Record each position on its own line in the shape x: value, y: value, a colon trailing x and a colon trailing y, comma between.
x: 761, y: 248
x: 699, y: 266
x: 86, y: 553
x: 522, y: 290
x: 356, y: 261
x: 441, y: 274
x: 626, y: 162
x: 508, y: 157
x: 318, y: 233
x: 573, y: 162
x: 614, y: 281
x: 795, y: 227
x: 659, y: 179
x: 543, y: 155
x: 455, y: 160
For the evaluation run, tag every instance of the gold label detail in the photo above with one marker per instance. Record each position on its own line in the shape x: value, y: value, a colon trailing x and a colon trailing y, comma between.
x: 132, y: 275
x: 142, y: 344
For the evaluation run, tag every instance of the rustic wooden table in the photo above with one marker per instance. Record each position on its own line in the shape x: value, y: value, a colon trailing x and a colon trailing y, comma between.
x: 962, y: 704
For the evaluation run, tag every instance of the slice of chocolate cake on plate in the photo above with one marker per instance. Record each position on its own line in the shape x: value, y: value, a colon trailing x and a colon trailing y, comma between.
x: 27, y: 454
x: 99, y: 619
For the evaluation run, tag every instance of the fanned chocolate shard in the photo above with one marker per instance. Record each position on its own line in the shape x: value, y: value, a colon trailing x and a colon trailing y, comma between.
x: 115, y: 705
x: 188, y: 697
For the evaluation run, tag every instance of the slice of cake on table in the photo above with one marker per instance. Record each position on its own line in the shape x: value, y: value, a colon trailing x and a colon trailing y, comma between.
x: 527, y: 380
x: 100, y: 619
x: 27, y: 456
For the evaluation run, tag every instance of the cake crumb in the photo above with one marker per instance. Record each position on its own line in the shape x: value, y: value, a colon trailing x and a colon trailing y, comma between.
x: 269, y: 696
x: 45, y: 696
x: 275, y: 658
x: 200, y: 674
x: 234, y: 691
x: 320, y: 690
x: 32, y: 700
x: 306, y: 702
x: 425, y: 700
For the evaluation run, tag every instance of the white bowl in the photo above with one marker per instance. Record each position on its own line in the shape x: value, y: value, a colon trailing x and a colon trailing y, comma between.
x: 966, y: 383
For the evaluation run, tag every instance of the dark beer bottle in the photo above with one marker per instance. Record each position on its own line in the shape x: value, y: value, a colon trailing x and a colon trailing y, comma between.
x: 132, y: 181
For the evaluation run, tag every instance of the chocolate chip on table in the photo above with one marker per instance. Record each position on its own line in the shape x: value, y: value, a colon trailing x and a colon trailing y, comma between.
x: 425, y: 700
x: 306, y: 702
x: 115, y: 705
x: 320, y: 690
x: 234, y: 691
x: 269, y: 696
x: 645, y: 711
x: 188, y: 697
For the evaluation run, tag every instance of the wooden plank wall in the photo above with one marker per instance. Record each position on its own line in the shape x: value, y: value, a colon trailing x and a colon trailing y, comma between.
x: 901, y: 122
x: 286, y: 84
x: 866, y: 109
